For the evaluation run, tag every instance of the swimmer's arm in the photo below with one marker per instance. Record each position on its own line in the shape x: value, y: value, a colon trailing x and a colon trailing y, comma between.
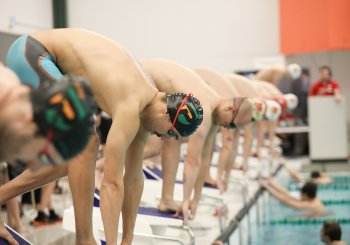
x: 25, y: 182
x: 194, y: 155
x: 124, y: 128
x: 206, y: 160
x: 133, y: 185
x: 193, y: 159
x: 224, y: 164
x: 30, y: 180
x: 294, y: 174
x: 287, y: 199
x: 279, y: 188
x: 325, y: 178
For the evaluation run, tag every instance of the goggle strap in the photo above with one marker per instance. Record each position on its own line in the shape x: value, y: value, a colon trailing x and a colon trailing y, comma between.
x: 178, y: 110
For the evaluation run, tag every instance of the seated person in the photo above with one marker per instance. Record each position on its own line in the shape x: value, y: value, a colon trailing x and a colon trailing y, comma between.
x: 326, y: 86
x: 316, y: 177
x: 331, y: 233
x: 308, y: 199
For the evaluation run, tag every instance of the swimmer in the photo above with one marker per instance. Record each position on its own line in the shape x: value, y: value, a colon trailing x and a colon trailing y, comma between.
x: 331, y: 233
x: 285, y: 101
x: 122, y: 90
x: 274, y: 73
x: 230, y: 137
x: 308, y: 201
x: 32, y: 137
x: 171, y: 77
x: 316, y: 177
x: 269, y: 110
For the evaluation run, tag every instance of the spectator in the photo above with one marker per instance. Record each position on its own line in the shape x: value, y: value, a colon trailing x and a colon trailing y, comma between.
x: 326, y: 86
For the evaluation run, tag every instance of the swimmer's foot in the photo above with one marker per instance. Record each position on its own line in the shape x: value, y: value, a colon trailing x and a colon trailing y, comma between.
x: 170, y: 206
x: 210, y: 181
x: 211, y: 185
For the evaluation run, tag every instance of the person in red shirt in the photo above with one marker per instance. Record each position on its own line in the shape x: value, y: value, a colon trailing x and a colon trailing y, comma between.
x: 326, y: 86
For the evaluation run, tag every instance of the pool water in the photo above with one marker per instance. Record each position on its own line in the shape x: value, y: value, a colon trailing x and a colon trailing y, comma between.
x: 301, y: 234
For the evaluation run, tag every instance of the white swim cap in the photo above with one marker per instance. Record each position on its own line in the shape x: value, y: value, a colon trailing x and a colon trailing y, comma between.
x: 292, y: 101
x: 259, y: 109
x: 273, y: 110
x: 294, y: 70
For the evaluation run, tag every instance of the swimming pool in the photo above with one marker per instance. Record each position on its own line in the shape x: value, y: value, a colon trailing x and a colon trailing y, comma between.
x: 278, y: 225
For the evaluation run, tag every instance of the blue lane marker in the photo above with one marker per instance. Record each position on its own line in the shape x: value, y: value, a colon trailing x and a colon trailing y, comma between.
x: 21, y: 240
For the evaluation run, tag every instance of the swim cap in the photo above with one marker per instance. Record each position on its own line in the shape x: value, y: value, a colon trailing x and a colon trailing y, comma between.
x: 273, y: 110
x: 63, y: 111
x: 292, y: 101
x: 259, y: 109
x: 294, y: 70
x: 185, y: 111
x: 282, y: 102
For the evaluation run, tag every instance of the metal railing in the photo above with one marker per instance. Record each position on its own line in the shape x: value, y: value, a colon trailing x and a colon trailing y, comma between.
x: 236, y: 222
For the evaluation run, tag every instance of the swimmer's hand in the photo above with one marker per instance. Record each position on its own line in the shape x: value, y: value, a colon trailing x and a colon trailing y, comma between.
x: 222, y: 183
x: 6, y: 235
x: 265, y: 183
x: 187, y: 211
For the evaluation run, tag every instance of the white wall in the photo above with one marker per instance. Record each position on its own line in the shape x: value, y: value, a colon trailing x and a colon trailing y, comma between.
x: 30, y: 15
x: 222, y: 34
x: 339, y: 61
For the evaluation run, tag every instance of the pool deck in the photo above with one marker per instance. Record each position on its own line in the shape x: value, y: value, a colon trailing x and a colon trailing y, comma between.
x: 206, y: 226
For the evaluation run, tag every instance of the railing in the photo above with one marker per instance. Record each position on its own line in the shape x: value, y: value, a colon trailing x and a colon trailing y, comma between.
x: 236, y: 222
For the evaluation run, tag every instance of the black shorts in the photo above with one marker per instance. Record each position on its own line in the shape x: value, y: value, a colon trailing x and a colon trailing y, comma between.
x: 103, y: 129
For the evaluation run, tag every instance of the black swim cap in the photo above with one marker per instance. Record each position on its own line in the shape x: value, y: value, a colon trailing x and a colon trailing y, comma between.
x: 185, y: 111
x: 63, y: 111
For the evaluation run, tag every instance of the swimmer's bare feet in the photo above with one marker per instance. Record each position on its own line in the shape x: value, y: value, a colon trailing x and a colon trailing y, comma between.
x: 210, y: 181
x: 168, y: 205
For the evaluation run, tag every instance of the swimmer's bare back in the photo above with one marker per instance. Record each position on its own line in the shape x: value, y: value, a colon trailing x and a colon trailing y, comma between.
x: 244, y: 86
x: 218, y: 82
x: 114, y: 75
x: 171, y: 77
